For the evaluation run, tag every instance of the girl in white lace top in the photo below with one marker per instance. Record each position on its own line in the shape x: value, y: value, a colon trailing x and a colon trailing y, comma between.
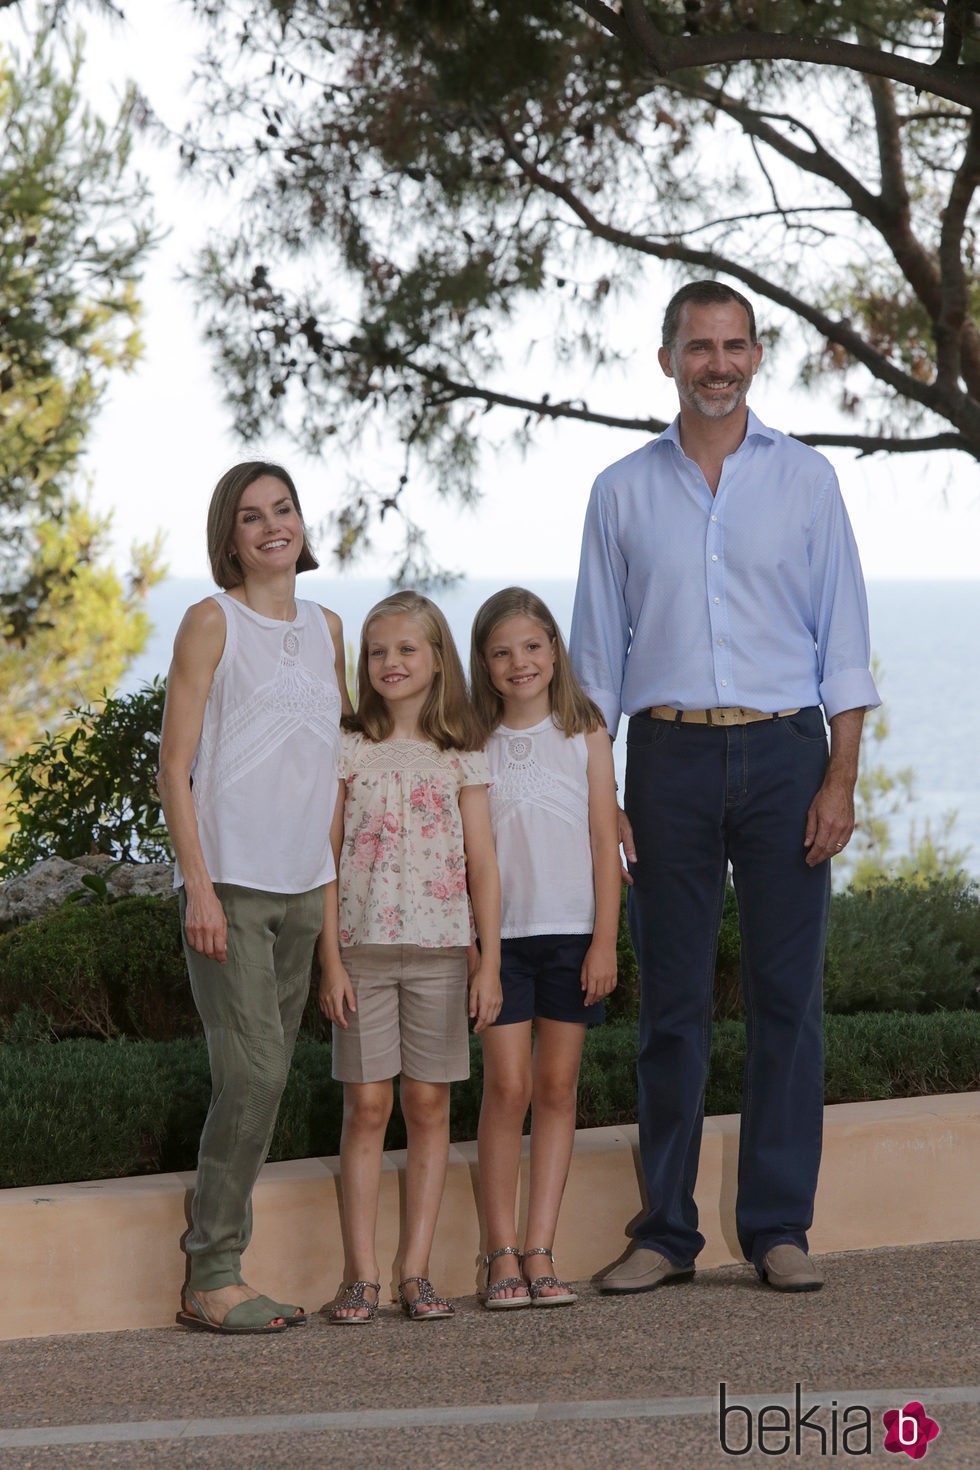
x: 553, y: 811
x: 413, y: 845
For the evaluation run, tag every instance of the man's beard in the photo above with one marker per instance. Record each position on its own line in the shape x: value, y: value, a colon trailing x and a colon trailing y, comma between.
x: 713, y: 406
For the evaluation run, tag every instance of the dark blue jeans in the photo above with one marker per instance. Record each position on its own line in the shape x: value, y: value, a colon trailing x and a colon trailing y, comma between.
x: 699, y: 797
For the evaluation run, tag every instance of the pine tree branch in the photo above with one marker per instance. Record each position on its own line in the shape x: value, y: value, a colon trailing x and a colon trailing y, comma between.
x: 944, y: 399
x: 668, y: 54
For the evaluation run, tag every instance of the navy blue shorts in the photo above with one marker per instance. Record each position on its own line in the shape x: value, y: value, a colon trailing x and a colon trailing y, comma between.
x: 541, y: 975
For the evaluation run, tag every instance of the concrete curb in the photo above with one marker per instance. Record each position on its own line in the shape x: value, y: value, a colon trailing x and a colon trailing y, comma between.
x: 105, y: 1256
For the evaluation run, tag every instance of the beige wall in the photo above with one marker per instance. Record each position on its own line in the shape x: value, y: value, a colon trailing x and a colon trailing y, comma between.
x: 106, y: 1255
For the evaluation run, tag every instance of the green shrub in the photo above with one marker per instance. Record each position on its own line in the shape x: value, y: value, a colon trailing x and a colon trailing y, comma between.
x: 624, y: 1003
x: 900, y: 945
x: 91, y: 786
x: 101, y: 970
x: 79, y: 1110
x: 900, y: 1055
x: 94, y: 1110
x: 896, y: 945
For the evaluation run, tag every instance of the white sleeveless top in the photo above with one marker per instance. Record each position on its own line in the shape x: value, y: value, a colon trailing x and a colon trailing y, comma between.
x: 265, y: 771
x: 539, y: 807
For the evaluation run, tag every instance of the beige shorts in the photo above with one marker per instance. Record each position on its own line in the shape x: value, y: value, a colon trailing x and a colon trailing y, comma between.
x: 411, y: 1015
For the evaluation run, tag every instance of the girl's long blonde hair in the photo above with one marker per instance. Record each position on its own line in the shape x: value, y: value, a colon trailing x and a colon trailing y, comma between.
x: 447, y: 717
x: 572, y: 710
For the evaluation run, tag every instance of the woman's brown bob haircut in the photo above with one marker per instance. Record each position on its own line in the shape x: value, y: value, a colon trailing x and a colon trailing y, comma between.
x: 447, y: 716
x: 221, y: 519
x: 571, y: 708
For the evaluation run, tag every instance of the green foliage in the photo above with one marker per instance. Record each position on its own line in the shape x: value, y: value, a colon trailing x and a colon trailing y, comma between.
x: 462, y: 170
x: 82, y: 1110
x: 96, y: 1110
x: 624, y: 1003
x: 904, y: 946
x: 75, y: 231
x: 91, y: 786
x: 100, y: 970
x: 880, y: 795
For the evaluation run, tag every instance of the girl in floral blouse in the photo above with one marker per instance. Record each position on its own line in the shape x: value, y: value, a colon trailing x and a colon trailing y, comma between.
x: 413, y: 845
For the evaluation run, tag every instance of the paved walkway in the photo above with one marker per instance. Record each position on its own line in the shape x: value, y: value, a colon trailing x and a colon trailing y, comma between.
x: 629, y: 1382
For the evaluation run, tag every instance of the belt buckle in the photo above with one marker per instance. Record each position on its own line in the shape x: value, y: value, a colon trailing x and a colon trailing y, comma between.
x: 725, y: 715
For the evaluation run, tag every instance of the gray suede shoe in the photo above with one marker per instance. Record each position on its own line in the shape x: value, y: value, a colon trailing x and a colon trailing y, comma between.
x: 642, y: 1270
x: 787, y: 1268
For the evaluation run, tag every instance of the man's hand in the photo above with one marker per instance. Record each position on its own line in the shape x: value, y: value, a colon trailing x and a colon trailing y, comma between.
x: 830, y: 820
x: 626, y: 843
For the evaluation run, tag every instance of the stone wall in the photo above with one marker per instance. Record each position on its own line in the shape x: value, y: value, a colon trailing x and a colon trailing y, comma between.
x: 49, y: 883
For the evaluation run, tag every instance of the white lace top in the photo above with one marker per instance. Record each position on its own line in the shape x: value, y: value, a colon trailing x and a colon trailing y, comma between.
x: 539, y: 807
x: 402, y: 866
x: 265, y: 772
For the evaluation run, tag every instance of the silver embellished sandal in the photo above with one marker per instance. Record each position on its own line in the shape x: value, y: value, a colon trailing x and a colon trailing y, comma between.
x: 438, y: 1305
x: 354, y: 1300
x: 492, y: 1300
x: 563, y: 1297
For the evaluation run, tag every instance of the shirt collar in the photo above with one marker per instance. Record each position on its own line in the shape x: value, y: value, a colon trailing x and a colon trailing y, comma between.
x: 754, y: 429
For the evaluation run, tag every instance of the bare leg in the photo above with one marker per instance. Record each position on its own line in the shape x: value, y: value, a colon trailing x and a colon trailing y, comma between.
x: 557, y: 1057
x: 425, y: 1106
x: 367, y: 1108
x: 506, y: 1096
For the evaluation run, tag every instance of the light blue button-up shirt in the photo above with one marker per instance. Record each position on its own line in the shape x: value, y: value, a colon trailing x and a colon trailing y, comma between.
x: 751, y: 597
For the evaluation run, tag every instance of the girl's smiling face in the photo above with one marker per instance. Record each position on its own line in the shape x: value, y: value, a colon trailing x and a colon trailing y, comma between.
x: 268, y: 530
x: 520, y: 660
x: 401, y: 661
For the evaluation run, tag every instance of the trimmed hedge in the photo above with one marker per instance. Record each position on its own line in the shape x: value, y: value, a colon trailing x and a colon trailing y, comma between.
x: 101, y: 970
x: 117, y: 969
x: 894, y: 946
x: 95, y: 1110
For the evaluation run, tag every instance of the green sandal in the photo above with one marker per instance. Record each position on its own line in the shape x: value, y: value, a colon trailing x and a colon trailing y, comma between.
x: 291, y: 1315
x: 253, y: 1316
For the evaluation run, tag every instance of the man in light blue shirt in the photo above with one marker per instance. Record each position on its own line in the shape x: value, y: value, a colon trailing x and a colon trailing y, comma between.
x: 720, y: 603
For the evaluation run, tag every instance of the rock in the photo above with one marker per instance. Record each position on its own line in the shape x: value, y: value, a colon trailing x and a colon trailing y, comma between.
x: 49, y: 883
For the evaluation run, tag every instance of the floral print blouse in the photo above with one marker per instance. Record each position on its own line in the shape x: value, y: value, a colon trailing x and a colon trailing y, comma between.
x: 402, y: 867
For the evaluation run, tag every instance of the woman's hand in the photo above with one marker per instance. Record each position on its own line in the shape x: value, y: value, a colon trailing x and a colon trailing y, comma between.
x: 205, y: 924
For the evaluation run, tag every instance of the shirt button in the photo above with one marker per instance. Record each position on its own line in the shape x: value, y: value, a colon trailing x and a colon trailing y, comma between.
x: 716, y: 599
x: 724, y: 683
x: 714, y: 558
x: 721, y: 642
x: 714, y: 518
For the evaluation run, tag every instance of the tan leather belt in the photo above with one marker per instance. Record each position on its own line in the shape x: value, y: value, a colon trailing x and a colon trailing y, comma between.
x: 729, y: 715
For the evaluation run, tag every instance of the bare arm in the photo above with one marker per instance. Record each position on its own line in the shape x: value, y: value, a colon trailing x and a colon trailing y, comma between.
x: 599, y: 966
x: 484, y: 885
x: 336, y: 992
x: 197, y: 649
x: 830, y: 820
x: 340, y: 658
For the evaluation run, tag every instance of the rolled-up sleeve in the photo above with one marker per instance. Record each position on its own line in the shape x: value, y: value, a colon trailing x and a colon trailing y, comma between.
x: 600, y: 633
x: 840, y: 607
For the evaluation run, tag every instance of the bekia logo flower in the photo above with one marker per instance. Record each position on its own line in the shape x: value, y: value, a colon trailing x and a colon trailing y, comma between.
x: 909, y: 1429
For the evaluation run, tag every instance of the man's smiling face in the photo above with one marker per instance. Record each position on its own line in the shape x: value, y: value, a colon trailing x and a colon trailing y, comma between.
x: 712, y: 359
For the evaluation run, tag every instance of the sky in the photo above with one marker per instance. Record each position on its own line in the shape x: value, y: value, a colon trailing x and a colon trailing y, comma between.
x: 164, y: 436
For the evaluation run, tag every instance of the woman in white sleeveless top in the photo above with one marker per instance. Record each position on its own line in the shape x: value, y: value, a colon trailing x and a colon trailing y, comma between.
x: 248, y: 781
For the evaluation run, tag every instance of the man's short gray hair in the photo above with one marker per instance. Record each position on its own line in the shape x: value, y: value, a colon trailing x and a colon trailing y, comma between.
x: 703, y: 293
